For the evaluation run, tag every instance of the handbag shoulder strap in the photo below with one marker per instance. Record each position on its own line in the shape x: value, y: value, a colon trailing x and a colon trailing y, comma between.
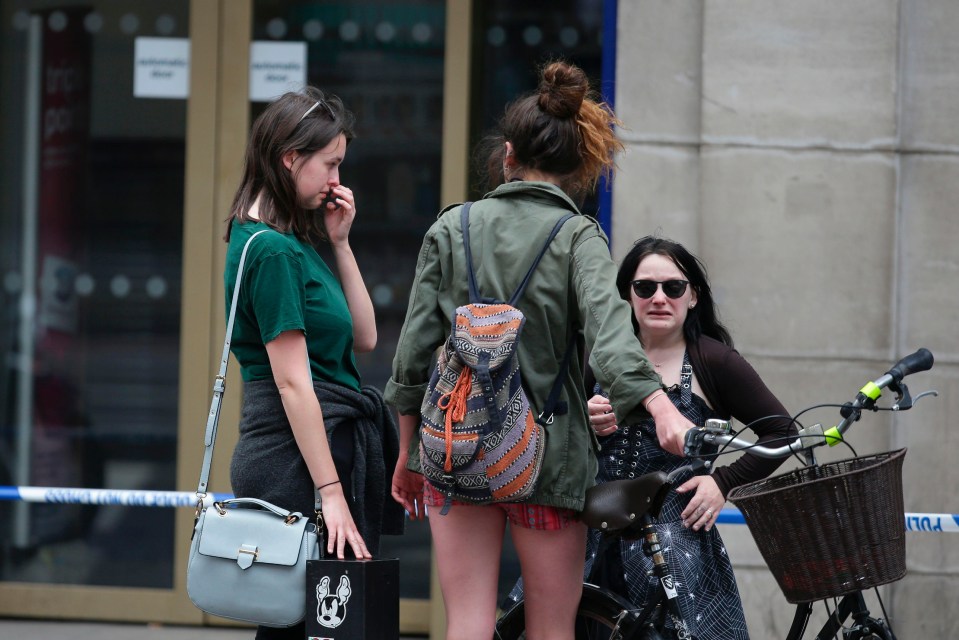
x: 219, y: 382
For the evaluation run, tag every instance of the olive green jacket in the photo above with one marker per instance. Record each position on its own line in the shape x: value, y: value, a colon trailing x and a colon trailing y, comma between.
x: 572, y: 290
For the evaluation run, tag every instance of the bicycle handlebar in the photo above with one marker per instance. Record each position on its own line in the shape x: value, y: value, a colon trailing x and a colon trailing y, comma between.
x: 921, y: 360
x: 718, y: 432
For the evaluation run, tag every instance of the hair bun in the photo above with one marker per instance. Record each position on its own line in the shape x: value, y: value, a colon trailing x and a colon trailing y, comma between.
x: 562, y: 89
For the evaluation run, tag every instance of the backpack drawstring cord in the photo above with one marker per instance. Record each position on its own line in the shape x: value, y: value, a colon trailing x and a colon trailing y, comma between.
x: 454, y: 404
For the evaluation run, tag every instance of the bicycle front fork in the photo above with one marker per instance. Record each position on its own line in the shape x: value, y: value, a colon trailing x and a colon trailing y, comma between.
x: 853, y: 605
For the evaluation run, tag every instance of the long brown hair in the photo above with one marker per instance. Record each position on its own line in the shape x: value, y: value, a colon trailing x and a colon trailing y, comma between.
x: 304, y: 122
x: 561, y: 129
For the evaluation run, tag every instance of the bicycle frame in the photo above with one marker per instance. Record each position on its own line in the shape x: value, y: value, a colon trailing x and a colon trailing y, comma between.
x: 667, y: 587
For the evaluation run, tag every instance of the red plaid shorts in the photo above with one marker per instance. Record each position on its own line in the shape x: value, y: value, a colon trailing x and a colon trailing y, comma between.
x: 528, y: 516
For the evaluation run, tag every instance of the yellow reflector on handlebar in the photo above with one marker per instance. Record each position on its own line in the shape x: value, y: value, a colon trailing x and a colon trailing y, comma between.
x: 832, y: 436
x: 871, y: 391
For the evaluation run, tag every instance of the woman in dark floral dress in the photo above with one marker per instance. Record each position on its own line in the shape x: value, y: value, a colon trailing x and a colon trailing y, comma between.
x: 675, y: 319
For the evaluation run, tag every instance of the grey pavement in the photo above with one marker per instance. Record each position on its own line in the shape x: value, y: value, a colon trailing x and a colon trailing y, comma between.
x: 16, y: 629
x: 21, y: 629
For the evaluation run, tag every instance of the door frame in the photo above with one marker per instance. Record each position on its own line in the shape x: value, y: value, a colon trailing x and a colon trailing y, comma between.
x: 210, y: 158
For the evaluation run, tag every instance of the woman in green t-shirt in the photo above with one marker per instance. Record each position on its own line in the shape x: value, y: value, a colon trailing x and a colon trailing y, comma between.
x: 297, y: 327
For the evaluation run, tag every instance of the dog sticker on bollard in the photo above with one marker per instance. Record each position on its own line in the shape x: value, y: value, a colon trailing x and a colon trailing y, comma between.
x: 352, y: 599
x: 331, y: 609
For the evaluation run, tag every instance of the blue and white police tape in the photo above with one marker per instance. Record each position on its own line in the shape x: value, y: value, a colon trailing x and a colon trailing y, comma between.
x: 937, y: 522
x: 129, y: 498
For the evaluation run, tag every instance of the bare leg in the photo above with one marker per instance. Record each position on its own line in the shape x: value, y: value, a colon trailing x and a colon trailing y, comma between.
x: 552, y: 565
x: 469, y: 542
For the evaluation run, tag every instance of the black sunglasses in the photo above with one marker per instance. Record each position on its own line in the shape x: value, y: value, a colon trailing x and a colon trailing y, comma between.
x: 647, y: 288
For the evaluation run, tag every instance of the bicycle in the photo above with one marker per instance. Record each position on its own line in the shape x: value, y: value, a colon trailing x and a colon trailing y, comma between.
x: 629, y: 509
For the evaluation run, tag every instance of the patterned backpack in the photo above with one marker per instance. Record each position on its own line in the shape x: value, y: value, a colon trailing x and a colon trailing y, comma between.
x: 479, y: 440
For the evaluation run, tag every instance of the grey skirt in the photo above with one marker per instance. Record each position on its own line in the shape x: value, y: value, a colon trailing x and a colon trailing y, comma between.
x: 267, y: 463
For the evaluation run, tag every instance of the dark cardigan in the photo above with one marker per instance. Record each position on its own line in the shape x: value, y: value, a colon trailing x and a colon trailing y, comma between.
x: 734, y: 390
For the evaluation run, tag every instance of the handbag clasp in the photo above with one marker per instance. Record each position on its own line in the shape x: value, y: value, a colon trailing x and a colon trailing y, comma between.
x: 253, y: 553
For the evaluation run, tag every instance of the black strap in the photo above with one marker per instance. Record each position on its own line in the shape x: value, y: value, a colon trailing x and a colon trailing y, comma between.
x: 553, y: 405
x: 470, y: 275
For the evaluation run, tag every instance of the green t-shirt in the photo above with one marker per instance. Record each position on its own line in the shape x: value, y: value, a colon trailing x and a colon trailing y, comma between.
x: 287, y: 286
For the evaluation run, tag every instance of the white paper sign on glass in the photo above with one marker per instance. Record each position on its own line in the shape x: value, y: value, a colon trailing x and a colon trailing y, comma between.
x: 161, y: 67
x: 275, y: 68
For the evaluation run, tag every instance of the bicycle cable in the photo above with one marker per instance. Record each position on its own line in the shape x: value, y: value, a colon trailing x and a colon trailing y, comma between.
x: 786, y: 439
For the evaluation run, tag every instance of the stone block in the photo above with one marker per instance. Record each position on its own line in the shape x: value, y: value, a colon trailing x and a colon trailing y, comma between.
x: 799, y: 246
x: 930, y: 76
x: 659, y: 44
x: 930, y: 476
x: 656, y: 191
x: 767, y: 612
x: 800, y: 74
x: 922, y: 606
x: 741, y: 547
x: 929, y: 263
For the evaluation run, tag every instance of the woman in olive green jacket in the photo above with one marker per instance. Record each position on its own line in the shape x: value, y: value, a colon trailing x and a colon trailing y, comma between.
x: 555, y: 141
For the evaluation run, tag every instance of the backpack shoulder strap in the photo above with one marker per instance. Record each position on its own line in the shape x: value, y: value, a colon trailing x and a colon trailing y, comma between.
x: 470, y: 274
x: 554, y: 406
x: 475, y: 295
x: 529, y: 274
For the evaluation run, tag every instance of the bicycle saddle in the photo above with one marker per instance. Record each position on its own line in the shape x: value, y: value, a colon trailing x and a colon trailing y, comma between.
x: 613, y: 506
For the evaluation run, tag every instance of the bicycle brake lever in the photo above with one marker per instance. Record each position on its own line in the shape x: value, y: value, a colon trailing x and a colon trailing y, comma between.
x: 913, y: 401
x: 692, y: 468
x: 694, y: 441
x: 903, y: 399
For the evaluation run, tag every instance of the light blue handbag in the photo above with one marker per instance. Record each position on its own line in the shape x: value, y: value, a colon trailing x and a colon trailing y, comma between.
x: 248, y: 557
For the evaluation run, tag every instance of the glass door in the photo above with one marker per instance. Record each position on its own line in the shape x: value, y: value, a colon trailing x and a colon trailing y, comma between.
x: 91, y: 255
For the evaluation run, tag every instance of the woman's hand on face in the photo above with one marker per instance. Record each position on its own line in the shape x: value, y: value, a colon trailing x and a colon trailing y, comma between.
x: 705, y: 505
x: 408, y: 491
x: 601, y: 416
x: 339, y: 525
x: 338, y: 219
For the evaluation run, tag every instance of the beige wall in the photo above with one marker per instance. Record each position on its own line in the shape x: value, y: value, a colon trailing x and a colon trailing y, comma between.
x: 808, y: 152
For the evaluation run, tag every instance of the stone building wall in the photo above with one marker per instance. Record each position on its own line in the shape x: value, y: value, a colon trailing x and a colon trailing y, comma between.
x: 808, y: 152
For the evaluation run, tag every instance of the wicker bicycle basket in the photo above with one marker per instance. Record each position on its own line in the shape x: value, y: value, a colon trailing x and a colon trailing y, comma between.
x: 832, y: 529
